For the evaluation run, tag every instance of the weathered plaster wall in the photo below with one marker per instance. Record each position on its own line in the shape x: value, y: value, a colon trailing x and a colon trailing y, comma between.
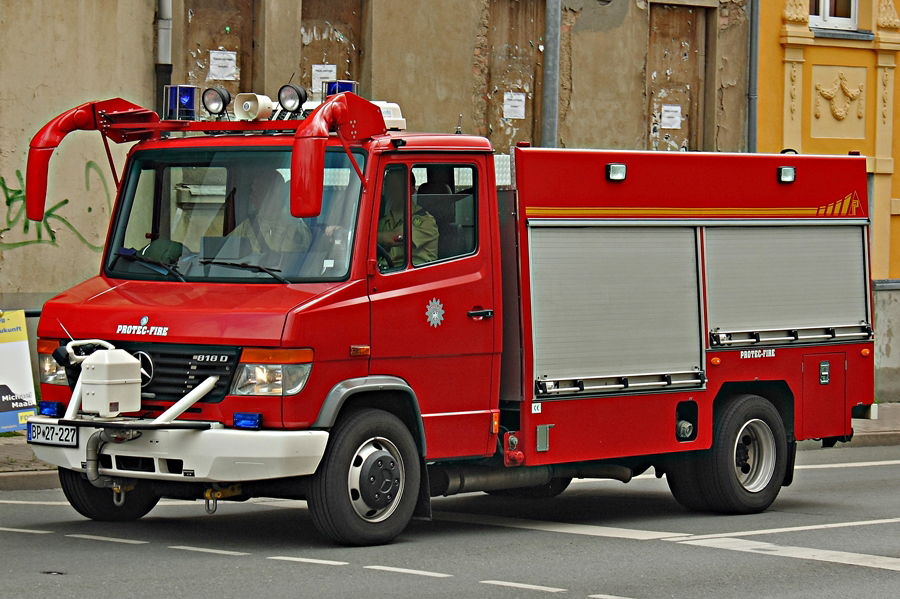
x: 56, y: 55
x: 423, y: 59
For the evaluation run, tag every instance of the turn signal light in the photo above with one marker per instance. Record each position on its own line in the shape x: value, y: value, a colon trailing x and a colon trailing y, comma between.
x: 866, y: 352
x: 716, y: 361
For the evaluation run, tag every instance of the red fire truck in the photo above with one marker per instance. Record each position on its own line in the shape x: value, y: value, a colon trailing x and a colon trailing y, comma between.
x: 333, y: 309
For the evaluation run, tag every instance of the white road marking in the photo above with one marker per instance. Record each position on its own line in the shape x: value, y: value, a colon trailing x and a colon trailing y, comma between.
x: 848, y: 465
x: 407, y: 571
x: 772, y: 531
x: 26, y: 531
x: 606, y: 597
x: 519, y: 585
x: 109, y: 539
x: 308, y: 560
x: 14, y: 502
x: 563, y: 527
x: 820, y: 555
x: 205, y: 550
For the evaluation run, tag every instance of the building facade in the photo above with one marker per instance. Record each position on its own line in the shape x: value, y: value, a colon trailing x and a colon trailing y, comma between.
x: 827, y: 86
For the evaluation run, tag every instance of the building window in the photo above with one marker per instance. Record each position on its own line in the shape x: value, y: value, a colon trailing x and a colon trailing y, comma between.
x: 833, y: 14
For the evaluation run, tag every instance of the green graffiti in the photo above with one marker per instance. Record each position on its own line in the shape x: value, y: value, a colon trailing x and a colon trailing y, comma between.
x: 42, y: 232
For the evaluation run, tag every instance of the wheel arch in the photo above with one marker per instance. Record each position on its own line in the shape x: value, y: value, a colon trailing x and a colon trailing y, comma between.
x: 778, y: 393
x: 388, y: 393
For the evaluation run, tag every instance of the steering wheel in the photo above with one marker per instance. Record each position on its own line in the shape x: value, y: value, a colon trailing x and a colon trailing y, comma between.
x: 383, y: 253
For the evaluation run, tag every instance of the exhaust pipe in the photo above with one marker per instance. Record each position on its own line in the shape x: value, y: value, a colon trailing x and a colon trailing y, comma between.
x: 446, y: 480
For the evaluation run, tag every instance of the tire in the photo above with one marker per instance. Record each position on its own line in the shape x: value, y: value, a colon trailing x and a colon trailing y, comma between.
x: 97, y: 504
x: 745, y: 469
x: 683, y: 477
x: 548, y: 490
x: 366, y: 487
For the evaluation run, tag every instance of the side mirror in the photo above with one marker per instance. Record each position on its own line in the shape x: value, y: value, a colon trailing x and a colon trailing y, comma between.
x: 307, y: 176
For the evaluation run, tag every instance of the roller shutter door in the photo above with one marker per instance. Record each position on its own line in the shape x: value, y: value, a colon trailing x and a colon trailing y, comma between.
x: 612, y: 301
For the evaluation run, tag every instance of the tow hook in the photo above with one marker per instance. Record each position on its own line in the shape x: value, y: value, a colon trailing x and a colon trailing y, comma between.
x: 213, y: 496
x: 119, y: 491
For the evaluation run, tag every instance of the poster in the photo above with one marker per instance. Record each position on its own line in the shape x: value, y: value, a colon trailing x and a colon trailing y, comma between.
x: 321, y: 73
x: 222, y: 66
x: 513, y: 105
x: 671, y: 117
x: 17, y: 398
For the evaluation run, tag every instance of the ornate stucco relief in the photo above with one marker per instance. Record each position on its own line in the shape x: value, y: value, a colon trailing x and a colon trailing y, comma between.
x: 793, y: 89
x: 885, y: 88
x: 887, y: 15
x: 839, y: 105
x: 796, y: 11
x: 840, y: 110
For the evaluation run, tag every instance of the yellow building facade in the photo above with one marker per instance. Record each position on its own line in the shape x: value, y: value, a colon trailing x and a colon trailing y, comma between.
x: 827, y: 85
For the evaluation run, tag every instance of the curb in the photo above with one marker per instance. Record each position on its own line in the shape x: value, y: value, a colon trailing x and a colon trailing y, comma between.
x: 29, y: 481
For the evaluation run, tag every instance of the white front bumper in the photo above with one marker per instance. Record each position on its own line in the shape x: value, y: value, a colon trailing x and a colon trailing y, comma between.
x: 212, y: 455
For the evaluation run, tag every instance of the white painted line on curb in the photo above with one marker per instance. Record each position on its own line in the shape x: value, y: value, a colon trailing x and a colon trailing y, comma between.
x: 772, y: 531
x: 519, y: 585
x: 109, y: 539
x: 820, y: 555
x: 576, y: 529
x: 308, y: 560
x: 15, y: 502
x: 26, y: 531
x: 205, y: 550
x: 606, y: 597
x: 407, y: 571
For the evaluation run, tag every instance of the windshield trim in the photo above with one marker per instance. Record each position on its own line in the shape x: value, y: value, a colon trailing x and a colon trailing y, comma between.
x: 132, y: 171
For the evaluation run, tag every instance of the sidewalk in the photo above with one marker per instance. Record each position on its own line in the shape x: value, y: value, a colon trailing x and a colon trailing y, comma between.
x: 20, y: 470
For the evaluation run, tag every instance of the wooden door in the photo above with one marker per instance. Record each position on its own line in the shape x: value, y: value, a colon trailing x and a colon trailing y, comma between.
x: 331, y: 34
x: 676, y: 65
x: 213, y: 29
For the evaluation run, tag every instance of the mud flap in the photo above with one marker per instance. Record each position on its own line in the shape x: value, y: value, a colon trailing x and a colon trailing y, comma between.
x: 423, y: 504
x: 789, y: 468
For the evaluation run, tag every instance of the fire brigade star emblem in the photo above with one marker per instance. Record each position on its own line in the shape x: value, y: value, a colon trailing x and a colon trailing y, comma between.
x: 434, y: 313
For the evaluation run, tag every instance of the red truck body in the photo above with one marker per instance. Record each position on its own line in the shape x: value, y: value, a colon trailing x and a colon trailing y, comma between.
x: 606, y: 312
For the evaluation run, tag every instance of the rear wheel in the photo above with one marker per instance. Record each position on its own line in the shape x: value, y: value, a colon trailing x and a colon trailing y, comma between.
x: 684, y: 481
x: 365, y: 490
x: 97, y: 503
x: 744, y: 471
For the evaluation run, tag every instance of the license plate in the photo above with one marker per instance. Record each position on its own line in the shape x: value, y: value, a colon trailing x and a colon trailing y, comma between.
x: 52, y: 434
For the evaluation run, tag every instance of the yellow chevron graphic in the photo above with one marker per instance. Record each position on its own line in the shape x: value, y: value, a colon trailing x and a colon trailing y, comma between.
x: 847, y: 206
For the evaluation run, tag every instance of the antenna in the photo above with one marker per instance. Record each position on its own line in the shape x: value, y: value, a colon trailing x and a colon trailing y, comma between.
x: 459, y: 125
x: 71, y: 338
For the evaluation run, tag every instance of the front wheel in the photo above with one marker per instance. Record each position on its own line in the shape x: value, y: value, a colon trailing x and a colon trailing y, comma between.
x: 365, y: 490
x: 744, y: 471
x: 97, y: 504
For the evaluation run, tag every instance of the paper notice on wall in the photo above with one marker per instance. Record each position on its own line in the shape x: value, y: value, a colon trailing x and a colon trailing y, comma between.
x: 513, y: 105
x: 670, y: 117
x: 320, y: 73
x: 17, y: 398
x: 222, y: 66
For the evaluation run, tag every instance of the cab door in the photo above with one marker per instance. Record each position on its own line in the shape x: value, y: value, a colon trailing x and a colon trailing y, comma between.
x: 433, y: 299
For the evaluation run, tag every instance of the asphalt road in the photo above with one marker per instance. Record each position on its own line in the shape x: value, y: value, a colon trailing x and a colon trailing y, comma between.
x: 834, y: 533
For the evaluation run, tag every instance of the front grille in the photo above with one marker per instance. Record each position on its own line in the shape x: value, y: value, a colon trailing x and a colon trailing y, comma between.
x: 177, y: 369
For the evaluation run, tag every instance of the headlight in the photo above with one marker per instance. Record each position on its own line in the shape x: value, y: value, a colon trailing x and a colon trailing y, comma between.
x: 256, y: 375
x: 51, y: 372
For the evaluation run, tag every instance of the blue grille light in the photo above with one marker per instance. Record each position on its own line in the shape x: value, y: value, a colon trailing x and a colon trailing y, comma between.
x: 336, y: 87
x: 52, y: 409
x: 181, y: 102
x: 247, y: 420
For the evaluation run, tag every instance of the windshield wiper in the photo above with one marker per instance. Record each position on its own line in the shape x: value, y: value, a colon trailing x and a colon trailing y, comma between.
x: 272, y: 272
x: 132, y: 254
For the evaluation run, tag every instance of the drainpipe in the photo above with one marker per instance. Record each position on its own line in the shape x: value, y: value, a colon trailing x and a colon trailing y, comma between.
x: 163, y: 50
x: 753, y: 79
x: 550, y: 98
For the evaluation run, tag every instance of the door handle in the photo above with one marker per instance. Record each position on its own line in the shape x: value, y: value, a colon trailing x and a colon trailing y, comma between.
x: 481, y: 313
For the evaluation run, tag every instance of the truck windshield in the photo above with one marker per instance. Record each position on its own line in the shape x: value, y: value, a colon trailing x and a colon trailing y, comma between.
x: 224, y: 215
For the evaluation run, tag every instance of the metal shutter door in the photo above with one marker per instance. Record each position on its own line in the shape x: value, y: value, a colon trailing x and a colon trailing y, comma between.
x: 785, y: 277
x: 610, y: 301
